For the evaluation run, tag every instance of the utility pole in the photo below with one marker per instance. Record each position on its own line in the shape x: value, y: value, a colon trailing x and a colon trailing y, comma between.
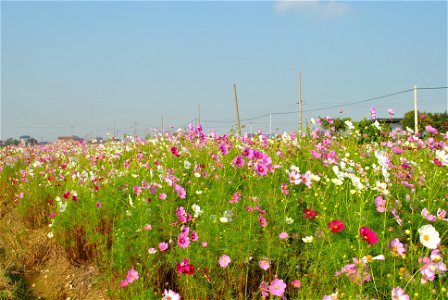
x: 415, y: 110
x: 199, y: 113
x: 300, y: 105
x: 237, y: 111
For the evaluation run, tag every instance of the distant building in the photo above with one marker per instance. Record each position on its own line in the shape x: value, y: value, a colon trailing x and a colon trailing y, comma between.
x: 72, y: 138
x: 25, y: 138
x: 394, y: 122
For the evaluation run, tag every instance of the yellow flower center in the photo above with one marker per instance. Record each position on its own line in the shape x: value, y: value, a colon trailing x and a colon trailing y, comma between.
x: 426, y: 237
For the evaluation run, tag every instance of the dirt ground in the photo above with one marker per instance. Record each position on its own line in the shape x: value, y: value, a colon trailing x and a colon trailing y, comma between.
x: 33, y: 266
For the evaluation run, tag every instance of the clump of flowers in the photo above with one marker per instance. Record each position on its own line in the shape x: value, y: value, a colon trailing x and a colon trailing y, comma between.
x: 431, y: 266
x: 357, y: 271
x: 130, y: 278
x: 185, y: 267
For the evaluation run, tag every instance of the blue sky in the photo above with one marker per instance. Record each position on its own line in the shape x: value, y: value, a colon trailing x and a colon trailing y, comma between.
x: 89, y: 67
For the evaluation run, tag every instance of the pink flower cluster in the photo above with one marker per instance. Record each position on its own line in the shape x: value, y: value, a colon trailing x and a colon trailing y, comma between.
x: 431, y: 266
x: 130, y: 278
x: 357, y: 271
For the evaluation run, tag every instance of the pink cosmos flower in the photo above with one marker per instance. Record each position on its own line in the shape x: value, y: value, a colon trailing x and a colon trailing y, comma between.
x: 194, y: 236
x: 373, y: 111
x: 295, y: 283
x: 391, y: 111
x: 147, y: 227
x: 336, y: 226
x: 283, y: 235
x: 224, y: 261
x: 183, y: 241
x: 204, y: 244
x: 425, y: 213
x: 399, y: 294
x: 333, y: 296
x: 235, y: 197
x: 262, y: 221
x: 396, y: 216
x: 441, y: 214
x: 396, y: 247
x: 52, y: 214
x: 180, y: 191
x: 170, y: 295
x: 284, y: 188
x: 380, y: 204
x: 264, y: 289
x: 132, y: 276
x: 277, y: 287
x: 430, y: 129
x: 124, y: 283
x: 163, y: 246
x: 238, y: 162
x: 174, y: 151
x: 264, y: 264
x: 137, y: 190
x: 162, y: 196
x: 368, y: 235
x: 262, y: 169
x: 309, y: 213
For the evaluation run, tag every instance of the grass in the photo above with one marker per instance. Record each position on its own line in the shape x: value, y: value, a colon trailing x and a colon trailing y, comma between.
x: 205, y: 196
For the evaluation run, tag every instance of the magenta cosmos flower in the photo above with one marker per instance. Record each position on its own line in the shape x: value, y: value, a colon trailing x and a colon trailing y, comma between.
x: 295, y: 283
x: 368, y: 235
x: 163, y: 246
x: 336, y: 225
x: 277, y: 287
x: 183, y: 241
x: 224, y: 261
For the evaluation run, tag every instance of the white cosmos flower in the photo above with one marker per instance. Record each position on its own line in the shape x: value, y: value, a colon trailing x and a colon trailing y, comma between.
x: 308, y: 239
x: 289, y: 220
x: 349, y: 125
x: 223, y: 220
x: 429, y: 236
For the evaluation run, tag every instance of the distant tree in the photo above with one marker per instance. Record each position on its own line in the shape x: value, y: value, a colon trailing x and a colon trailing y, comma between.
x: 338, y: 123
x: 32, y: 142
x: 11, y: 142
x: 436, y: 120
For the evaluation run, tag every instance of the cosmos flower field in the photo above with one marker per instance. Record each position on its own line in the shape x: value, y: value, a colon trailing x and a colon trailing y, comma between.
x: 193, y: 215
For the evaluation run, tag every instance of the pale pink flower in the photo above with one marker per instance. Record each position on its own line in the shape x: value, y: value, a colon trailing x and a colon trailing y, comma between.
x: 163, y: 246
x: 283, y: 235
x: 224, y: 261
x: 264, y: 264
x: 399, y: 294
x: 277, y: 287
